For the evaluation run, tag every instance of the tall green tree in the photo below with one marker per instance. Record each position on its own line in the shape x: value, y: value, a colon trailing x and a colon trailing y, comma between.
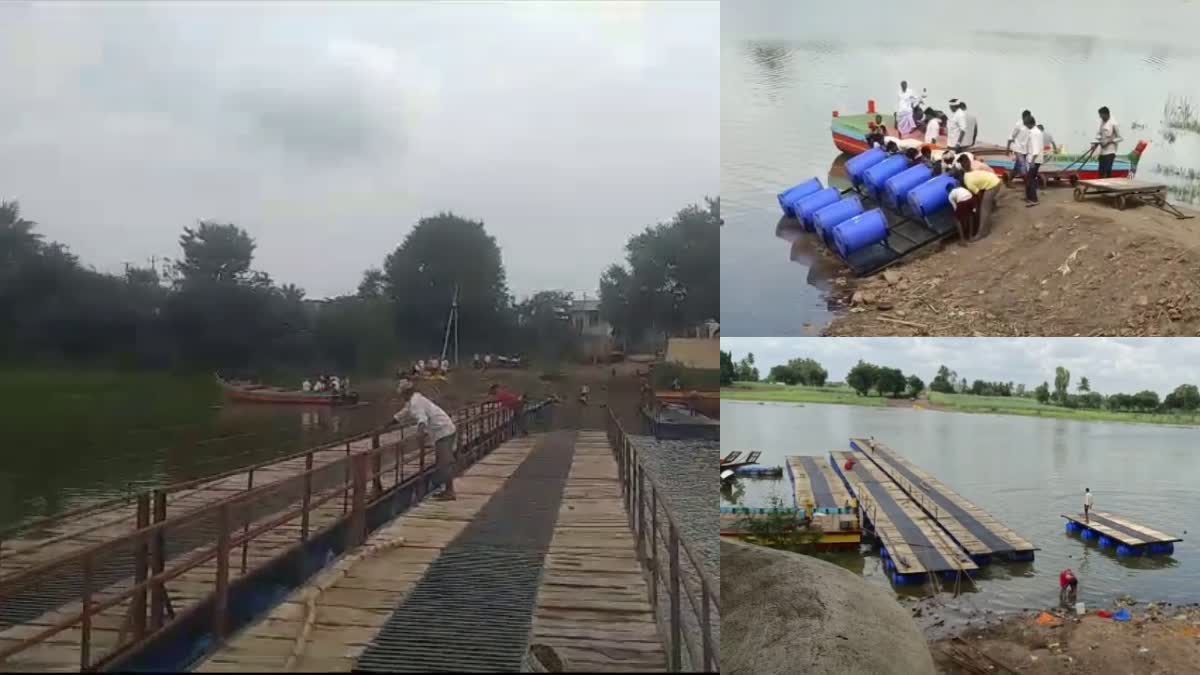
x: 944, y: 381
x: 1084, y: 385
x: 1062, y: 380
x: 915, y: 386
x: 437, y: 255
x: 726, y: 368
x: 1042, y: 393
x: 545, y: 325
x: 891, y: 381
x: 1184, y: 397
x: 863, y: 377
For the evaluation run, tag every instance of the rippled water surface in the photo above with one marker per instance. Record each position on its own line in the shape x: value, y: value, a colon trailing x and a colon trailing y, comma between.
x: 785, y: 68
x: 1025, y: 472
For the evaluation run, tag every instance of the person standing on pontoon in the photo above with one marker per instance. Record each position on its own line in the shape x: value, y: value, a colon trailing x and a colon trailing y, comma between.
x: 1107, y: 139
x: 1087, y: 504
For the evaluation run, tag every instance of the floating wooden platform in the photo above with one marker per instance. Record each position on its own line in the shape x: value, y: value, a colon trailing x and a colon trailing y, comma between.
x: 976, y: 530
x: 814, y: 480
x: 1134, y: 538
x: 592, y: 605
x: 912, y: 541
x: 734, y: 459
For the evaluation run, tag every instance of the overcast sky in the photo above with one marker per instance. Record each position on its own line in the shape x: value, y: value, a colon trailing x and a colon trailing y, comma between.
x: 328, y: 130
x: 1110, y: 364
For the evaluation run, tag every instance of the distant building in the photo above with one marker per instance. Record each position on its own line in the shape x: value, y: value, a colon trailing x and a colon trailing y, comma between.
x: 594, y: 332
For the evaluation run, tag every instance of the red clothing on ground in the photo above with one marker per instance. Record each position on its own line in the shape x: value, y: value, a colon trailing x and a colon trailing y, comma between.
x: 1065, y: 578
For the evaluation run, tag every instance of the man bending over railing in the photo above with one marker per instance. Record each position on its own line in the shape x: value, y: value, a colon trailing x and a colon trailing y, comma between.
x: 432, y: 422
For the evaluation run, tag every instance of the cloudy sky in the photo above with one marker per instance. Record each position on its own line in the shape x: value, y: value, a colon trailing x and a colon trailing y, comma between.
x: 327, y: 130
x: 1110, y: 364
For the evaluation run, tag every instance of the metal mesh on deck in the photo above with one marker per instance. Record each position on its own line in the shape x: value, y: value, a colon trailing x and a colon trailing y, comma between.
x: 473, y: 608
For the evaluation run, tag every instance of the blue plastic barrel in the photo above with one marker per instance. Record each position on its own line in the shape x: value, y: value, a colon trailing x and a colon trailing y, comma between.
x: 810, y: 204
x: 1072, y: 527
x: 876, y: 176
x: 1128, y: 551
x: 1168, y: 548
x: 828, y: 217
x: 789, y: 196
x: 930, y: 197
x: 1088, y: 534
x: 859, y: 232
x: 1106, y: 542
x: 856, y: 165
x: 896, y: 189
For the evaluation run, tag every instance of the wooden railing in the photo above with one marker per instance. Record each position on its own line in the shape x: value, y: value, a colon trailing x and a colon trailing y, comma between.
x: 644, y: 502
x: 214, y: 543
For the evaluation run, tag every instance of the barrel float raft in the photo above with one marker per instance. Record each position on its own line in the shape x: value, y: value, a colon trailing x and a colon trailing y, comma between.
x: 856, y: 165
x: 896, y: 189
x: 876, y: 176
x: 789, y: 196
x: 810, y: 204
x: 930, y: 197
x: 829, y: 217
x: 859, y: 232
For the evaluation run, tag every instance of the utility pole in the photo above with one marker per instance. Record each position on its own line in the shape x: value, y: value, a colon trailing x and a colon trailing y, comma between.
x: 452, y: 324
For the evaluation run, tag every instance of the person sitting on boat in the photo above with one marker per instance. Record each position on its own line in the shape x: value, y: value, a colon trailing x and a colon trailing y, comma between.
x: 876, y: 133
x: 306, y: 386
x: 320, y: 385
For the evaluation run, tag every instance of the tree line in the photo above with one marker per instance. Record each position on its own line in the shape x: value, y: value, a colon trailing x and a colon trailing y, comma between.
x: 210, y: 308
x: 865, y: 378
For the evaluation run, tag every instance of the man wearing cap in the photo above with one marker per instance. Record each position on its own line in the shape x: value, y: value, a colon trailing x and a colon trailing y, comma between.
x: 432, y: 423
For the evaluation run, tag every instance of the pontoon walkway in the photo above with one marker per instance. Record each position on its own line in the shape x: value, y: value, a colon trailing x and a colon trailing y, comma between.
x: 976, y: 530
x: 814, y: 479
x: 912, y: 541
x: 1129, y: 537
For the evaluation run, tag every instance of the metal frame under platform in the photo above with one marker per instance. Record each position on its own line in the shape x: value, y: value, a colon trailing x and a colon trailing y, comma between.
x: 1126, y: 191
x: 906, y: 236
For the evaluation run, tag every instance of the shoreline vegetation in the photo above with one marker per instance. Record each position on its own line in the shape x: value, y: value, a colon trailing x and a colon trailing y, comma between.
x: 840, y: 394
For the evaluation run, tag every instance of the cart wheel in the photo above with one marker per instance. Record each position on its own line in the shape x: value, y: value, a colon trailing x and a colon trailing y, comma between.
x: 1121, y: 203
x: 1074, y: 180
x: 1078, y: 194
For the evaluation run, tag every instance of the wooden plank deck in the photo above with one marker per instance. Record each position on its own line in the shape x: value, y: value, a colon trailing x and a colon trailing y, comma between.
x: 62, y: 651
x: 978, y: 531
x: 803, y: 487
x: 1122, y: 530
x: 915, y: 542
x: 593, y: 603
x: 365, y: 586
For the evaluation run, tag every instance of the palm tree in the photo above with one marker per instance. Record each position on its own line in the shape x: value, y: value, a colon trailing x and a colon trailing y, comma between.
x: 17, y: 238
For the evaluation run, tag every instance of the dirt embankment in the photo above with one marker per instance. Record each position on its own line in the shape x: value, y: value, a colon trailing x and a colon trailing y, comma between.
x: 1060, y: 268
x: 1160, y: 638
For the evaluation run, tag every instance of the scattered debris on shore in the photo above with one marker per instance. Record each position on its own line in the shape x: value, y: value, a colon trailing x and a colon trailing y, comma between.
x: 1156, y: 637
x: 1061, y: 268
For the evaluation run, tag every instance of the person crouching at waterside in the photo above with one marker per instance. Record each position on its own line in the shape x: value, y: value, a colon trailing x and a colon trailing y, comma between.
x: 984, y: 185
x: 963, y: 203
x: 432, y: 424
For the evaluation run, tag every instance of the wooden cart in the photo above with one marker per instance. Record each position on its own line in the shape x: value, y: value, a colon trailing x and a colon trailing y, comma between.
x: 1127, y: 191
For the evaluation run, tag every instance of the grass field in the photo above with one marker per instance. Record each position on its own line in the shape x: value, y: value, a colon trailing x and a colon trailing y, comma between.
x: 1000, y: 405
x: 761, y: 391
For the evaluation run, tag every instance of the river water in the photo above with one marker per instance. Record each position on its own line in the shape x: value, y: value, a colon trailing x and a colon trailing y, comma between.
x: 83, y: 460
x: 785, y: 67
x: 1022, y: 470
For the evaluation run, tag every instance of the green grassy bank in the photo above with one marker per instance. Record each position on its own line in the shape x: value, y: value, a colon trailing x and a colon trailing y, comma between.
x: 1000, y: 405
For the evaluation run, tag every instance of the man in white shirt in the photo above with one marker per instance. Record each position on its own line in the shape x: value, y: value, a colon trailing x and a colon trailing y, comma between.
x: 1048, y: 139
x: 432, y: 424
x: 1087, y: 504
x: 1107, y: 139
x: 970, y: 125
x: 445, y: 366
x: 306, y: 387
x: 933, y: 129
x: 963, y: 204
x: 954, y: 128
x: 907, y: 98
x: 1033, y: 160
x: 336, y: 382
x: 1017, y: 140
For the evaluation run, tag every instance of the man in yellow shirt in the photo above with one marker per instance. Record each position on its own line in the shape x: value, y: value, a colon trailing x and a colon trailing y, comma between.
x: 984, y: 185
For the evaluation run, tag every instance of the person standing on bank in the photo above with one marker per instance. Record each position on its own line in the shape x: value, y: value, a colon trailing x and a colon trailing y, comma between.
x: 432, y: 424
x: 1033, y: 160
x: 1107, y: 139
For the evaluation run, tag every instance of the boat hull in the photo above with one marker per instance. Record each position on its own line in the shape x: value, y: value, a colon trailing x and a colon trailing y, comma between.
x: 258, y: 394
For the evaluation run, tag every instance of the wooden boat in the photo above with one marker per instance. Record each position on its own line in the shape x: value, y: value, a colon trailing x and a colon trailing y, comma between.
x: 249, y: 392
x: 707, y: 403
x: 850, y: 136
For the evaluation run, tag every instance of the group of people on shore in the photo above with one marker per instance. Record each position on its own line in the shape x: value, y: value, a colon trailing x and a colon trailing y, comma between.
x: 427, y: 368
x: 486, y: 361
x: 918, y: 129
x: 326, y: 383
